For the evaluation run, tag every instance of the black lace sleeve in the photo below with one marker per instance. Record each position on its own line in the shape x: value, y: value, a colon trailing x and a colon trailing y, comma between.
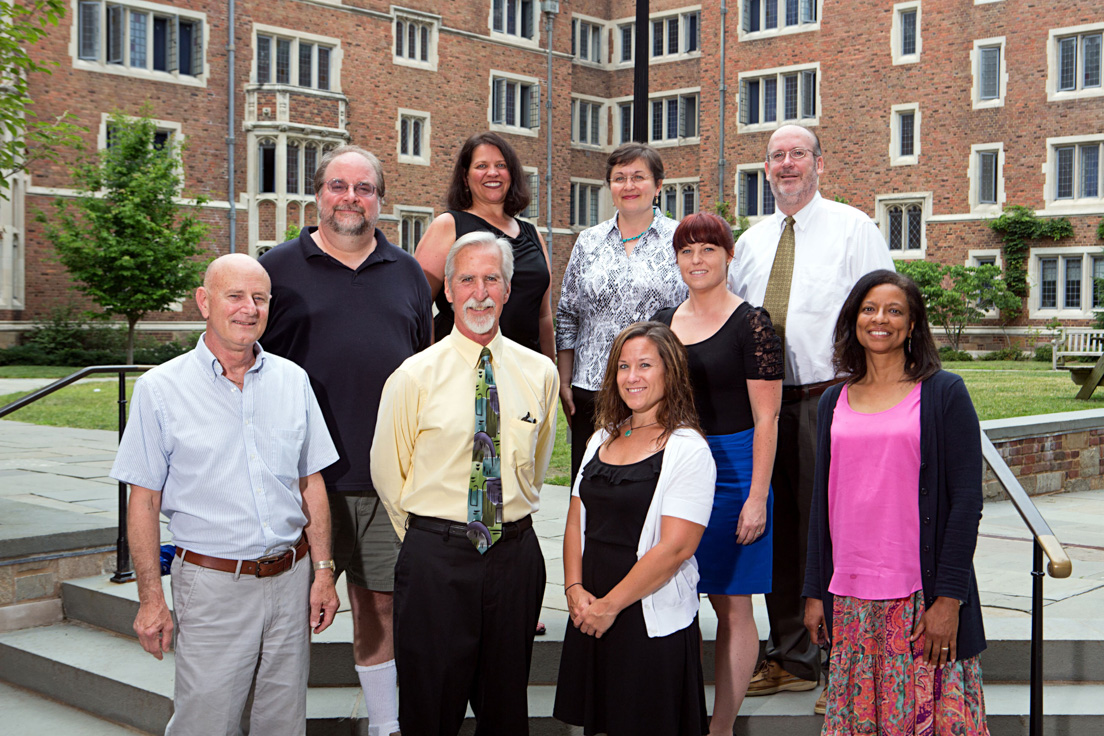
x: 764, y: 361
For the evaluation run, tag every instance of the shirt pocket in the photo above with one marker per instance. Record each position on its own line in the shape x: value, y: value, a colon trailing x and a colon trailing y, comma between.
x: 280, y: 451
x: 523, y: 434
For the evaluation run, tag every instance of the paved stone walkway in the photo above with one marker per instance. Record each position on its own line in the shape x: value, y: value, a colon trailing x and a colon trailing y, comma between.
x: 65, y: 470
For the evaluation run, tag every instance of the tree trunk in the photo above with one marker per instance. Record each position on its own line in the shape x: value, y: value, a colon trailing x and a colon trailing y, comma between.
x: 132, y: 323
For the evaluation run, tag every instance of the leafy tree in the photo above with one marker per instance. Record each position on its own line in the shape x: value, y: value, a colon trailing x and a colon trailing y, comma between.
x: 24, y: 138
x: 960, y: 295
x: 127, y: 244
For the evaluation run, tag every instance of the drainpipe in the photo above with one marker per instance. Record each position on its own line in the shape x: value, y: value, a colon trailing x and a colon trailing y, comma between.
x: 721, y: 191
x: 550, y: 8
x: 230, y: 140
x: 640, y: 73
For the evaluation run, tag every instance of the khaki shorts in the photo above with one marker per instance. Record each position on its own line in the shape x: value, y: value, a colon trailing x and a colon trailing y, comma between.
x: 365, y: 546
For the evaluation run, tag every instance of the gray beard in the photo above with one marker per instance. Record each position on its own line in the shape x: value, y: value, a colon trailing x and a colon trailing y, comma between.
x: 332, y: 223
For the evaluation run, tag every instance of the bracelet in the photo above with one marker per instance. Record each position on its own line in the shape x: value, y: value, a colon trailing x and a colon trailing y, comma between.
x: 569, y: 587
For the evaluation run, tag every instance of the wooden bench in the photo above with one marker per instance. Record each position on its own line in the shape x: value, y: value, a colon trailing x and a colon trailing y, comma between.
x: 1080, y: 342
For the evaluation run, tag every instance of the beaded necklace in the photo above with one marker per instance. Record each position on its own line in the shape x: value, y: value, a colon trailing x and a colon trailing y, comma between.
x: 638, y: 237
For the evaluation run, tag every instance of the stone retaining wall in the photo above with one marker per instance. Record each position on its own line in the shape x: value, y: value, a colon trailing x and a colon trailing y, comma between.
x: 1049, y: 452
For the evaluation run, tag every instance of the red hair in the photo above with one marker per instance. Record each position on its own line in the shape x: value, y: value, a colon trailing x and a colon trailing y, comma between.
x: 703, y: 227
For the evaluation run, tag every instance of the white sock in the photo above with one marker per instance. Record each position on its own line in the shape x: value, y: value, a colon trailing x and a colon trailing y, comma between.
x: 381, y: 703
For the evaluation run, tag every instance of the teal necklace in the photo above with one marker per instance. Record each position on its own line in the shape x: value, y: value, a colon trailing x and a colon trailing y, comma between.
x: 631, y: 428
x: 638, y: 237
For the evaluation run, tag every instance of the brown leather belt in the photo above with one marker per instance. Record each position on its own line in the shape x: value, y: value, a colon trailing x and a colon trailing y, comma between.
x: 262, y: 568
x: 510, y: 529
x: 809, y: 390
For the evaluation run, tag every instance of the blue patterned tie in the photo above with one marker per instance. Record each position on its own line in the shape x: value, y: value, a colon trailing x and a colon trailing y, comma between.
x: 485, y: 483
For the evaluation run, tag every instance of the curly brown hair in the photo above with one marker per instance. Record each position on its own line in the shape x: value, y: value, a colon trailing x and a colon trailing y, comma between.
x: 677, y: 409
x: 459, y: 197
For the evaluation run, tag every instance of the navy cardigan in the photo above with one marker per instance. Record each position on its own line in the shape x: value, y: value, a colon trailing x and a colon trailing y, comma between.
x: 950, y: 504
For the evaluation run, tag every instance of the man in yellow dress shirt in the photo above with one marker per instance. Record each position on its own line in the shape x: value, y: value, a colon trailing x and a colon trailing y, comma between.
x: 465, y: 617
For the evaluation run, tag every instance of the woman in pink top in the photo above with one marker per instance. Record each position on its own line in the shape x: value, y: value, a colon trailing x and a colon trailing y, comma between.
x: 889, y: 580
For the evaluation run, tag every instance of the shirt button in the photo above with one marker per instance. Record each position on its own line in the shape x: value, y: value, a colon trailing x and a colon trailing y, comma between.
x: 252, y: 456
x: 927, y: 520
x: 927, y: 548
x: 923, y: 491
x: 259, y: 491
x: 927, y: 573
x: 265, y: 525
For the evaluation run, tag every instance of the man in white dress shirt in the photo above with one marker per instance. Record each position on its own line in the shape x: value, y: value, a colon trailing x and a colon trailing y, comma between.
x: 832, y: 246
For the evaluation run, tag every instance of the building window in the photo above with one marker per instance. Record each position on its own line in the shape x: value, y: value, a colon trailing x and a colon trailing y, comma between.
x: 987, y: 177
x: 586, y: 40
x: 990, y: 73
x: 675, y: 117
x: 754, y: 195
x: 1066, y: 282
x: 1075, y: 67
x: 412, y: 225
x: 586, y: 122
x: 515, y: 103
x: 1074, y: 171
x: 778, y: 16
x: 583, y: 204
x: 415, y: 41
x: 675, y: 35
x: 626, y: 35
x: 783, y: 96
x: 679, y: 199
x: 118, y: 38
x: 905, y: 224
x: 266, y: 169
x: 625, y: 122
x: 413, y: 137
x: 302, y: 160
x: 532, y: 212
x: 904, y: 147
x: 905, y: 39
x: 293, y: 61
x: 514, y: 18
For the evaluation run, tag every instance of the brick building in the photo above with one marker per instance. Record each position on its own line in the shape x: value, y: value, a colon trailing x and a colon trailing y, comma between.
x: 933, y: 114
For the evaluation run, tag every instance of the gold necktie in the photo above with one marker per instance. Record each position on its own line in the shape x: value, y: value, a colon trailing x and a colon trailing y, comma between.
x: 777, y: 299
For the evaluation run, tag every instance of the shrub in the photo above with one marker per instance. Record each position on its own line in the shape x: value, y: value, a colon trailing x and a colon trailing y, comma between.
x: 1044, y: 353
x: 1005, y: 354
x: 947, y: 354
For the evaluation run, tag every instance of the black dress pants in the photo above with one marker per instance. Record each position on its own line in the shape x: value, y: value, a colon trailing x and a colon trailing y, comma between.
x: 582, y: 426
x: 464, y: 626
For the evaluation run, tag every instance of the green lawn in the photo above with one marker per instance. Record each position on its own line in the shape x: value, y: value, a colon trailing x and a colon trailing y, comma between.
x: 35, y: 371
x: 999, y: 389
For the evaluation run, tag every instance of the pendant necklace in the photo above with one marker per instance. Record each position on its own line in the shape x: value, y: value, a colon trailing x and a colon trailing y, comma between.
x: 631, y: 428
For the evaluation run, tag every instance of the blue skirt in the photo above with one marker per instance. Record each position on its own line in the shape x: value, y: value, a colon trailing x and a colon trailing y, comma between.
x: 727, y: 567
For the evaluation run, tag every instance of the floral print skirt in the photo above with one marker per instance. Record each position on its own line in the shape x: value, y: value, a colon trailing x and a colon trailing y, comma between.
x: 879, y: 683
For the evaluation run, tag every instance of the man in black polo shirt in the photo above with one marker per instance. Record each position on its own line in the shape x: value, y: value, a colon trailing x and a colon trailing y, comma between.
x: 349, y: 307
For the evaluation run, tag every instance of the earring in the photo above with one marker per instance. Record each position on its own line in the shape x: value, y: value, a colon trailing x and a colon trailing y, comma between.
x: 908, y: 344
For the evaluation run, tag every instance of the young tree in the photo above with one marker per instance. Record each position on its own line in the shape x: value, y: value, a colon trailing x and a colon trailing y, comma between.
x: 127, y: 244
x: 23, y: 138
x: 960, y: 295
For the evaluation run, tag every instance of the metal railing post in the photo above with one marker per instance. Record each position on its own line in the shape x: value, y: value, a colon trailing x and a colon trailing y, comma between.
x: 123, y: 571
x: 1035, y: 712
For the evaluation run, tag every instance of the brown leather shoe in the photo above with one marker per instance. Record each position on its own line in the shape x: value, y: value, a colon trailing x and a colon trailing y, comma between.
x: 772, y: 678
x: 821, y: 706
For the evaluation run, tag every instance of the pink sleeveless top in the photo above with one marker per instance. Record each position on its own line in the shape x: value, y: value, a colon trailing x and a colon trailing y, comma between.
x: 873, y: 503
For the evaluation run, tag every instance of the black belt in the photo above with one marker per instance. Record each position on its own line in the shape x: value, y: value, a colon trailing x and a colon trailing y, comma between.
x: 808, y: 391
x: 444, y: 527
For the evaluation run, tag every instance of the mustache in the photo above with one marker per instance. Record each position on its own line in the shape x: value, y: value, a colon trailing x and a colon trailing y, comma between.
x: 474, y: 303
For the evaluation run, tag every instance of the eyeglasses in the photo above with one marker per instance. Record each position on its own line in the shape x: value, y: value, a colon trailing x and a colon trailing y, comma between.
x: 795, y: 154
x: 361, y: 189
x: 636, y: 179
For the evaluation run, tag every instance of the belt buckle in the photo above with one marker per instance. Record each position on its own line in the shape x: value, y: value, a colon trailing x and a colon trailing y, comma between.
x: 265, y: 563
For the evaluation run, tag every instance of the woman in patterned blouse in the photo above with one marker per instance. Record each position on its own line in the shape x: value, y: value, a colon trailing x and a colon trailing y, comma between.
x: 621, y: 271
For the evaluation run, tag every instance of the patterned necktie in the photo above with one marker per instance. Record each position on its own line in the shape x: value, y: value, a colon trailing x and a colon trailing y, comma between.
x: 777, y: 298
x: 485, y: 482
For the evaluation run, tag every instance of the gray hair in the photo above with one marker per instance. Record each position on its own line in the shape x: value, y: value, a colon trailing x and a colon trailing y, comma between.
x: 481, y: 238
x: 329, y: 156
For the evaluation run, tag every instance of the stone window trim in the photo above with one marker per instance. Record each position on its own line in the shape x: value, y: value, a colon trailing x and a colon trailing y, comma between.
x: 980, y: 257
x: 533, y: 211
x: 515, y: 118
x: 753, y: 196
x: 978, y: 188
x: 332, y: 45
x: 172, y: 127
x: 516, y: 22
x: 903, y: 30
x: 623, y: 54
x: 681, y: 191
x: 417, y: 125
x: 806, y: 98
x: 587, y: 197
x: 427, y: 31
x: 1079, y: 201
x: 686, y: 23
x: 1054, y: 51
x: 687, y: 120
x: 91, y: 47
x: 986, y: 91
x: 595, y: 32
x: 1083, y: 257
x: 586, y: 105
x: 901, y: 117
x: 413, y: 221
x: 804, y: 23
x: 893, y: 213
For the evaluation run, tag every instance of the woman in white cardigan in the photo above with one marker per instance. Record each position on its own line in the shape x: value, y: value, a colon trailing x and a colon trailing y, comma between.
x: 631, y: 662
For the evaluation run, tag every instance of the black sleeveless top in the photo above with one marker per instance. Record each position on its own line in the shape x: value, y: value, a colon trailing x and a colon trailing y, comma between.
x: 745, y: 347
x: 521, y: 314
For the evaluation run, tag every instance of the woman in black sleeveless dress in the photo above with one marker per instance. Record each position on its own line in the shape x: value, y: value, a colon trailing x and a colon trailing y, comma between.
x: 488, y: 189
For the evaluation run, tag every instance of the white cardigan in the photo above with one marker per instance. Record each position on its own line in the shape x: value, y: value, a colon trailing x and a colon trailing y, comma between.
x: 685, y: 490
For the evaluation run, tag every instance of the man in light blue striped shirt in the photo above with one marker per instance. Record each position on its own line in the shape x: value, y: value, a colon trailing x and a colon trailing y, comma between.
x: 228, y: 442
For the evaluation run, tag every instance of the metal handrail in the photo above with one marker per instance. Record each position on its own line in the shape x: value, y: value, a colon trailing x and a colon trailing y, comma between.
x: 123, y: 571
x: 1059, y: 566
